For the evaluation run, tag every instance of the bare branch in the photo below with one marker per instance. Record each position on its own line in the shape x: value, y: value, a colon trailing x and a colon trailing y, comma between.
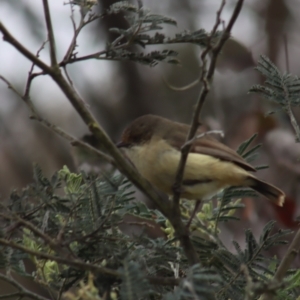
x: 47, y: 239
x: 68, y: 76
x: 200, y: 136
x: 294, y: 123
x: 12, y: 295
x: 206, y: 78
x: 10, y: 86
x: 76, y: 33
x: 285, y: 263
x: 10, y: 39
x: 234, y: 278
x: 77, y: 30
x: 30, y: 78
x: 288, y: 107
x: 74, y: 141
x: 96, y: 55
x: 286, y: 53
x: 50, y: 33
x: 23, y: 292
x: 32, y: 75
x: 78, y: 263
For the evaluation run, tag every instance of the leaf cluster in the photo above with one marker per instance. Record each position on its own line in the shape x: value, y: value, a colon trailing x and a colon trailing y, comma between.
x: 72, y: 226
x: 144, y: 30
x: 81, y: 217
x: 284, y: 89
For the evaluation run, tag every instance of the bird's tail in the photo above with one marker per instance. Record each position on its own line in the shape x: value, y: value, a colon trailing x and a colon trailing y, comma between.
x: 274, y: 194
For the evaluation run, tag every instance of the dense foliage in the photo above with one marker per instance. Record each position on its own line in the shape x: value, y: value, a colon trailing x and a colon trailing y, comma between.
x: 80, y: 218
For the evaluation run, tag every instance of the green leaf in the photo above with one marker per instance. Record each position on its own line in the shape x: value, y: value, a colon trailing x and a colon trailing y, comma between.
x: 246, y: 144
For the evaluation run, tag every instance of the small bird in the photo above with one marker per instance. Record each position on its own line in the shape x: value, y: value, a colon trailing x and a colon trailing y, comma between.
x: 153, y: 144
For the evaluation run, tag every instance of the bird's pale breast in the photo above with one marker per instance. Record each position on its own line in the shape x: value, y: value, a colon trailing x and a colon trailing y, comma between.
x: 204, y: 175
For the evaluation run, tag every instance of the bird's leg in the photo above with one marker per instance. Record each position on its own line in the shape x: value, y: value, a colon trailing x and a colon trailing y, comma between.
x: 193, y: 213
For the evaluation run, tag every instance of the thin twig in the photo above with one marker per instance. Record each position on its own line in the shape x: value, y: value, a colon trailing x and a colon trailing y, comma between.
x: 75, y: 36
x: 78, y: 263
x: 103, y: 53
x: 195, y: 120
x: 50, y: 33
x: 23, y: 292
x: 206, y: 79
x: 12, y: 295
x: 293, y: 120
x: 288, y: 108
x: 201, y: 135
x: 97, y: 55
x: 286, y: 53
x: 249, y: 282
x: 74, y: 141
x: 68, y: 76
x: 57, y: 130
x: 61, y: 290
x: 77, y: 30
x: 30, y: 78
x: 32, y: 57
x: 32, y: 75
x: 47, y: 239
x: 214, y: 30
x: 233, y: 279
x: 285, y: 263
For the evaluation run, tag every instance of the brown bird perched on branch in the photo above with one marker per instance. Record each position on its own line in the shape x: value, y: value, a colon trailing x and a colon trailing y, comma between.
x: 153, y: 144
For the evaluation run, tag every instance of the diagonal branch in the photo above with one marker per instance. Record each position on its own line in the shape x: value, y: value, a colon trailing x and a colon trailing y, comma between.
x: 32, y: 75
x: 76, y: 31
x: 78, y: 263
x: 285, y: 263
x: 32, y: 57
x: 122, y: 164
x: 23, y: 292
x: 74, y: 141
x: 288, y: 109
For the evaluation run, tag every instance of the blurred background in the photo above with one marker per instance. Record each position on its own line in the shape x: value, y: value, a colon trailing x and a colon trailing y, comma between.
x: 118, y: 92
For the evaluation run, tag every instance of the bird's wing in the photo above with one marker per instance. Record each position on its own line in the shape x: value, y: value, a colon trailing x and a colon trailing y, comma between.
x: 209, y: 146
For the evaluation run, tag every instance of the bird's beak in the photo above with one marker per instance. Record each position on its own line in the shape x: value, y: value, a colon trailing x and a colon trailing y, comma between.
x: 122, y: 144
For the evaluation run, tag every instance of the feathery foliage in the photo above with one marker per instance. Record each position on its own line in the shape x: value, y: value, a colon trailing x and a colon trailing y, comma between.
x: 145, y: 29
x: 284, y: 89
x: 83, y: 218
x: 88, y: 234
